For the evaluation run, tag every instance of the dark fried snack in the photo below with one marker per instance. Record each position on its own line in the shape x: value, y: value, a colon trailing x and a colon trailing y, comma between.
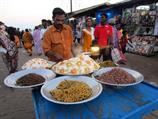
x: 30, y: 79
x: 117, y: 76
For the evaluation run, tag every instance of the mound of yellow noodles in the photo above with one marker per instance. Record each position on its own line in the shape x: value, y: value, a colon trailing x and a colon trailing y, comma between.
x: 71, y: 91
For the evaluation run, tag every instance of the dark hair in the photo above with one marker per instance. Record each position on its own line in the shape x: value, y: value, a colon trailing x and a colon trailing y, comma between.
x: 104, y: 14
x: 147, y: 29
x: 58, y: 11
x: 12, y: 32
x: 1, y: 23
x: 26, y: 30
x: 44, y: 20
x: 124, y: 32
x: 88, y: 19
x: 49, y: 22
x: 36, y: 27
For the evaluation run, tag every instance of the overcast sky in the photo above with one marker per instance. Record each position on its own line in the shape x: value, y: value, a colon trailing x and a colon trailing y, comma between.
x: 28, y: 13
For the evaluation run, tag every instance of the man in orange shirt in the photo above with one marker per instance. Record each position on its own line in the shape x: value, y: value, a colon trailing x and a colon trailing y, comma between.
x: 58, y: 39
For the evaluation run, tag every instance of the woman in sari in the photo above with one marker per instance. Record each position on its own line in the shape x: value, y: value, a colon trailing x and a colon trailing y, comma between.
x: 37, y: 40
x: 13, y: 35
x: 87, y: 35
x: 27, y: 40
x: 123, y: 41
x: 10, y: 58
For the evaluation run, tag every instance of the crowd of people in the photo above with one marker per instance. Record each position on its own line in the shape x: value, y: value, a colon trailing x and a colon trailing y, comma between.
x: 12, y: 38
x: 57, y: 39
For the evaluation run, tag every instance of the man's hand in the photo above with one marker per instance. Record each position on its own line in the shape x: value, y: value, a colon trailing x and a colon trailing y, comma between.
x: 54, y: 56
x: 58, y: 57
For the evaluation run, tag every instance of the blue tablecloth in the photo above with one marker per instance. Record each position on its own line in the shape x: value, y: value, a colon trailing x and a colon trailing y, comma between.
x: 114, y: 103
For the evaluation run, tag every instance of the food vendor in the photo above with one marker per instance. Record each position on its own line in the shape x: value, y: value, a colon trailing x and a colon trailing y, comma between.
x: 58, y: 39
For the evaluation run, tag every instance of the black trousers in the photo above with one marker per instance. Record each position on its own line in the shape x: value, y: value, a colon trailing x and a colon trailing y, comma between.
x: 106, y: 53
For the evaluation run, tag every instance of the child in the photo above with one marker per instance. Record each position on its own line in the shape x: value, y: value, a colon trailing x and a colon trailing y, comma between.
x: 77, y: 49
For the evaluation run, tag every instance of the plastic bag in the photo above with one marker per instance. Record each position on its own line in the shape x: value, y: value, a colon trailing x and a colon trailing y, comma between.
x: 118, y: 56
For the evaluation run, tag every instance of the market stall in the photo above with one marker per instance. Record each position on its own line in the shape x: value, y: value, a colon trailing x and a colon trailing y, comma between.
x: 142, y: 45
x: 126, y: 103
x: 141, y: 24
x: 81, y: 88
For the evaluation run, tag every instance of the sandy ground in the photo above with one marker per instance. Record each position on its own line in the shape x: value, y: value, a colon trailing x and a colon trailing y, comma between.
x: 17, y: 103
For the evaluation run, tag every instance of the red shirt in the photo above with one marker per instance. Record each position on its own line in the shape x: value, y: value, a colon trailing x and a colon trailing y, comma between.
x: 102, y: 33
x: 109, y: 30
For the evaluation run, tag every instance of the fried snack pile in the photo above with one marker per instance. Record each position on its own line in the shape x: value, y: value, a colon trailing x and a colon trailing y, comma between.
x: 82, y: 64
x: 71, y: 91
x: 36, y: 63
x: 30, y: 79
x: 116, y: 76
